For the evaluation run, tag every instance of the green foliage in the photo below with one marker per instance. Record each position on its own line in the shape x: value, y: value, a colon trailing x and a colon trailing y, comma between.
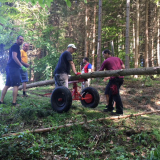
x: 156, y: 133
x: 42, y: 3
x: 68, y: 3
x: 7, y: 31
x: 111, y: 26
x: 154, y: 154
x: 94, y: 140
x: 156, y: 1
x: 3, y: 129
x: 142, y: 138
x: 122, y: 55
x: 28, y: 114
x: 47, y: 64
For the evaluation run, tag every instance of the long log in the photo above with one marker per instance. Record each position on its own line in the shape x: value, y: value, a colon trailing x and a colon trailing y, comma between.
x: 40, y: 83
x: 80, y: 123
x: 122, y: 72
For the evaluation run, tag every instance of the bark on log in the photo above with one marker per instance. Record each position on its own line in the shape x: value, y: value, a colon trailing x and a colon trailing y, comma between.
x: 40, y: 83
x: 122, y: 72
x: 80, y: 123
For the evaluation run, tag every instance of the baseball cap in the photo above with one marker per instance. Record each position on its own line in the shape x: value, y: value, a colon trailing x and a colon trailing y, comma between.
x: 72, y: 46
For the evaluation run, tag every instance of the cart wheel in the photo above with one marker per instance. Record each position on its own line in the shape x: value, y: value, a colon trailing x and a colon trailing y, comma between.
x: 61, y: 99
x: 92, y: 97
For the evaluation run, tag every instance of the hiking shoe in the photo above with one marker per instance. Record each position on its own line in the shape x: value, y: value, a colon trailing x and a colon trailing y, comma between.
x: 25, y: 95
x: 15, y: 104
x: 2, y: 102
x: 107, y: 107
x: 107, y: 110
x: 116, y: 114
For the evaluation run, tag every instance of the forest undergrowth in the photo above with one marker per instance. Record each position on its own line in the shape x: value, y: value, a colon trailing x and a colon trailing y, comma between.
x: 121, y: 139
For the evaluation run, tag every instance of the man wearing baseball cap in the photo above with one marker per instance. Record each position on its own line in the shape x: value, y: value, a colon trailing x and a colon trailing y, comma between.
x: 62, y: 69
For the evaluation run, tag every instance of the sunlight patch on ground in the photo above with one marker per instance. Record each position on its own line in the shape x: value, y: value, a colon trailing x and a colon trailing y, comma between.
x: 122, y: 91
x: 146, y: 116
x: 157, y: 102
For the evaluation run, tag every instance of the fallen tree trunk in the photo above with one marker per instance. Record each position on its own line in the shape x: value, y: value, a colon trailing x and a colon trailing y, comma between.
x: 80, y: 123
x: 122, y: 72
x: 40, y: 83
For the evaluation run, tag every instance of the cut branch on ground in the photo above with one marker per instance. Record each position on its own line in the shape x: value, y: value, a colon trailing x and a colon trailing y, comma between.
x: 80, y: 123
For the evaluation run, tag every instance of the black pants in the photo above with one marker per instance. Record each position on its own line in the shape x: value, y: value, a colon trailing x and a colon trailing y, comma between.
x: 115, y: 85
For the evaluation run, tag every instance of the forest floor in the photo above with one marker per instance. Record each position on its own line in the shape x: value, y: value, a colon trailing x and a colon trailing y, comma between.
x: 120, y: 139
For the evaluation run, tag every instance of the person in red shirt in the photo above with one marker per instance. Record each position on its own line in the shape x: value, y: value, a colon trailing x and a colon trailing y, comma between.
x: 86, y: 69
x: 113, y: 63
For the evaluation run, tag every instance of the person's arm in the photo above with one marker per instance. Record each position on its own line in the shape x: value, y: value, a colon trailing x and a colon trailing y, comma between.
x: 81, y: 65
x: 106, y: 79
x: 25, y: 64
x: 73, y: 67
x: 89, y: 70
x: 102, y: 67
x: 14, y: 56
x: 123, y: 66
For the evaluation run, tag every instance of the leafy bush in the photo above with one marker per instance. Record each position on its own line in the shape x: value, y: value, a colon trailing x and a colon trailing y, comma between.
x: 47, y: 64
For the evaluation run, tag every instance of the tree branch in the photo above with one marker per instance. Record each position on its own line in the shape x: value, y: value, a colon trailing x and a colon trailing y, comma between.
x: 80, y: 123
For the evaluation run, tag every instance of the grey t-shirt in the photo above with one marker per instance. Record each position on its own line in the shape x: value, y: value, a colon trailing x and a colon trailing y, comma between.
x: 63, y: 65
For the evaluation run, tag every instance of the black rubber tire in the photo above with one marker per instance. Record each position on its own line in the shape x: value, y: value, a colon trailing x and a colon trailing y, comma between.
x: 65, y: 104
x: 95, y: 95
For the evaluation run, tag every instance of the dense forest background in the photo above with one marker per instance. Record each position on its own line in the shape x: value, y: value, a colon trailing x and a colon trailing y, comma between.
x: 49, y: 26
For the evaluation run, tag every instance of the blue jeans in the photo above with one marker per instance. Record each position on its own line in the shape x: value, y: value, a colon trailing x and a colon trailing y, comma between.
x: 24, y: 76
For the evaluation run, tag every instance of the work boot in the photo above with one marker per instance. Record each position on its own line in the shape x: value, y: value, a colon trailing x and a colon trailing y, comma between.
x: 2, y: 102
x: 15, y: 104
x: 25, y: 95
x: 108, y: 110
x: 116, y: 114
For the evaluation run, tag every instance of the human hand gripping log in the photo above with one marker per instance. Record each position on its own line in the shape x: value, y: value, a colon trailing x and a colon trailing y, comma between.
x: 78, y: 73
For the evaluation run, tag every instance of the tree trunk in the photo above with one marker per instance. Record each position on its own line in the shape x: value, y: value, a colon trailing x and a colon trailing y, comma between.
x: 134, y: 39
x: 150, y: 27
x: 125, y: 72
x: 94, y: 38
x: 137, y: 34
x: 153, y: 35
x: 152, y: 59
x: 158, y: 35
x: 87, y: 30
x: 146, y: 36
x: 112, y: 47
x: 99, y: 35
x: 127, y: 33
